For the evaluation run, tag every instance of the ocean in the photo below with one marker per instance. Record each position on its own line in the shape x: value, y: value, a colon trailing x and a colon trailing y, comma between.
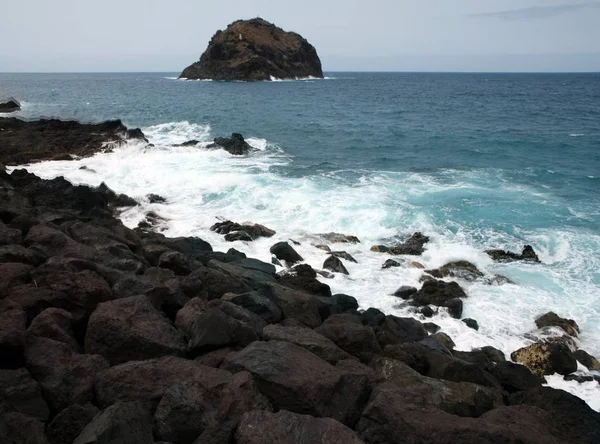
x: 475, y: 161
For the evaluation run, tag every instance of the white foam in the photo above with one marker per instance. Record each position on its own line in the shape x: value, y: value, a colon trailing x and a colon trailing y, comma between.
x: 201, y: 185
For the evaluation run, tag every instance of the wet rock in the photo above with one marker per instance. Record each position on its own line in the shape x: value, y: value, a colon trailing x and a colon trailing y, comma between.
x: 373, y: 317
x: 444, y: 339
x: 214, y: 329
x: 308, y: 339
x: 586, y: 359
x: 259, y: 304
x: 405, y: 292
x: 546, y: 358
x: 343, y: 255
x: 394, y: 330
x: 260, y: 427
x: 10, y: 107
x: 187, y: 143
x: 19, y: 392
x: 187, y: 410
x: 126, y: 422
x: 338, y: 238
x: 528, y: 254
x: 68, y: 424
x: 295, y: 379
x: 235, y: 144
x: 178, y: 262
x: 131, y: 329
x: 459, y: 269
x: 147, y: 381
x: 391, y: 263
x: 553, y: 320
x: 155, y: 198
x: 304, y: 278
x: 515, y: 378
x: 442, y: 294
x: 582, y: 378
x: 245, y: 232
x: 13, y: 321
x: 427, y: 311
x: 332, y: 263
x: 345, y: 303
x: 431, y: 327
x: 299, y: 306
x: 471, y: 323
x: 380, y: 249
x: 285, y: 252
x: 414, y: 246
x: 65, y: 377
x: 322, y: 247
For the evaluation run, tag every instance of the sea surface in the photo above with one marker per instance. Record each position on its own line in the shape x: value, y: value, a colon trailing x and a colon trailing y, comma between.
x: 476, y: 161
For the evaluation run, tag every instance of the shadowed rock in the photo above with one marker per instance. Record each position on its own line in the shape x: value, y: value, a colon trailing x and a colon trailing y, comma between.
x: 235, y: 145
x: 528, y: 254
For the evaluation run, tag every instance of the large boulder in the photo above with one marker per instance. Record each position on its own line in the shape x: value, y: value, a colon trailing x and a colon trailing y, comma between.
x: 334, y: 264
x: 588, y: 360
x: 54, y: 323
x: 527, y: 255
x: 295, y: 379
x: 10, y: 107
x: 304, y: 278
x: 414, y: 246
x: 459, y: 269
x: 259, y: 304
x: 355, y: 339
x: 13, y: 321
x: 308, y: 339
x: 551, y: 319
x: 546, y: 358
x: 440, y: 293
x: 299, y: 306
x: 255, y: 50
x: 186, y: 410
x: 262, y: 427
x: 131, y: 329
x: 394, y: 330
x: 148, y: 380
x: 68, y: 424
x: 285, y: 252
x: 232, y: 230
x: 65, y: 377
x: 123, y: 422
x: 514, y: 377
x: 19, y: 392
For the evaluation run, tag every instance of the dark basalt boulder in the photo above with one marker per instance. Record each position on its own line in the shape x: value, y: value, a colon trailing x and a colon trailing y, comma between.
x: 551, y: 319
x: 17, y: 428
x: 259, y: 304
x: 442, y: 294
x: 390, y: 263
x: 13, y: 321
x: 528, y: 254
x: 471, y: 323
x: 514, y: 377
x: 343, y: 255
x: 285, y: 252
x: 261, y: 427
x: 254, y: 50
x: 405, y: 292
x: 339, y: 238
x: 68, y: 424
x: 459, y: 269
x: 546, y: 358
x: 235, y: 144
x: 356, y: 339
x: 304, y: 278
x: 244, y: 232
x: 414, y: 246
x: 19, y: 392
x: 332, y: 263
x: 588, y: 360
x: 10, y: 107
x: 28, y: 141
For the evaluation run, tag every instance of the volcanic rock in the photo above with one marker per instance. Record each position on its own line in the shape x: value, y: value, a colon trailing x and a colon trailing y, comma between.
x: 528, y: 254
x: 546, y: 358
x: 551, y: 319
x: 235, y: 145
x: 10, y: 107
x: 285, y: 252
x: 255, y: 50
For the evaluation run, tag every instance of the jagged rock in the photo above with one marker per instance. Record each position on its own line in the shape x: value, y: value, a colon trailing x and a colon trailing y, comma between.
x: 528, y: 254
x: 214, y: 329
x: 304, y: 278
x: 285, y: 252
x: 551, y: 319
x: 444, y: 339
x: 471, y: 323
x: 68, y: 424
x: 155, y: 198
x: 261, y: 427
x: 235, y: 145
x: 405, y: 292
x: 255, y: 50
x: 131, y: 329
x: 10, y: 107
x: 334, y: 264
x: 17, y: 428
x: 187, y: 409
x: 582, y: 378
x: 390, y: 263
x: 515, y: 378
x: 19, y: 392
x: 443, y: 294
x: 299, y: 306
x: 394, y: 330
x: 192, y: 142
x: 373, y: 317
x: 343, y: 255
x: 308, y: 339
x: 234, y: 231
x: 147, y: 381
x: 28, y: 141
x: 123, y: 422
x: 413, y: 246
x: 65, y: 377
x: 459, y: 269
x: 259, y: 304
x: 13, y: 321
x: 295, y: 379
x: 586, y: 359
x: 357, y: 340
x: 57, y: 324
x: 338, y: 238
x: 546, y: 358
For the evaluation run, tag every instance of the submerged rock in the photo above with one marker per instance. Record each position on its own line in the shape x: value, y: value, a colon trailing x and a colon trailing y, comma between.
x: 442, y: 294
x: 254, y: 50
x: 235, y: 144
x: 414, y: 246
x: 338, y: 238
x: 551, y: 319
x: 528, y: 254
x: 460, y: 269
x: 244, y: 232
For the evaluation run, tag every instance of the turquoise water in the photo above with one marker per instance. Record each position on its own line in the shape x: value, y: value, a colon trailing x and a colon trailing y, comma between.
x: 475, y: 161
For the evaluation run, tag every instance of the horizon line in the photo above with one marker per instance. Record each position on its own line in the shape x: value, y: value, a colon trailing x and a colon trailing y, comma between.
x: 325, y: 72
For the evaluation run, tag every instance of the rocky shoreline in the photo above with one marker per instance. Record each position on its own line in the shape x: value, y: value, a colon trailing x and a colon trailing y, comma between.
x: 114, y: 335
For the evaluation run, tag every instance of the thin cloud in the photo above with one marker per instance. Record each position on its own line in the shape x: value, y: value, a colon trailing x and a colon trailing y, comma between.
x: 537, y: 12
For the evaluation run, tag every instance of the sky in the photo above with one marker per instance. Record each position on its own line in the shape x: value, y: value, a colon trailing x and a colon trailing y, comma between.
x: 350, y: 35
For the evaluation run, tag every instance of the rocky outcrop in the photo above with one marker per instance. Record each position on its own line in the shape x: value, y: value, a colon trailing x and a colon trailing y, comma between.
x: 10, y: 107
x: 242, y: 232
x: 528, y: 255
x: 235, y: 144
x: 254, y: 50
x: 23, y: 142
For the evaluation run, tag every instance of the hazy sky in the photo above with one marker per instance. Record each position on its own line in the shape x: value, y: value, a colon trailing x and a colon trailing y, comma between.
x: 401, y: 35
